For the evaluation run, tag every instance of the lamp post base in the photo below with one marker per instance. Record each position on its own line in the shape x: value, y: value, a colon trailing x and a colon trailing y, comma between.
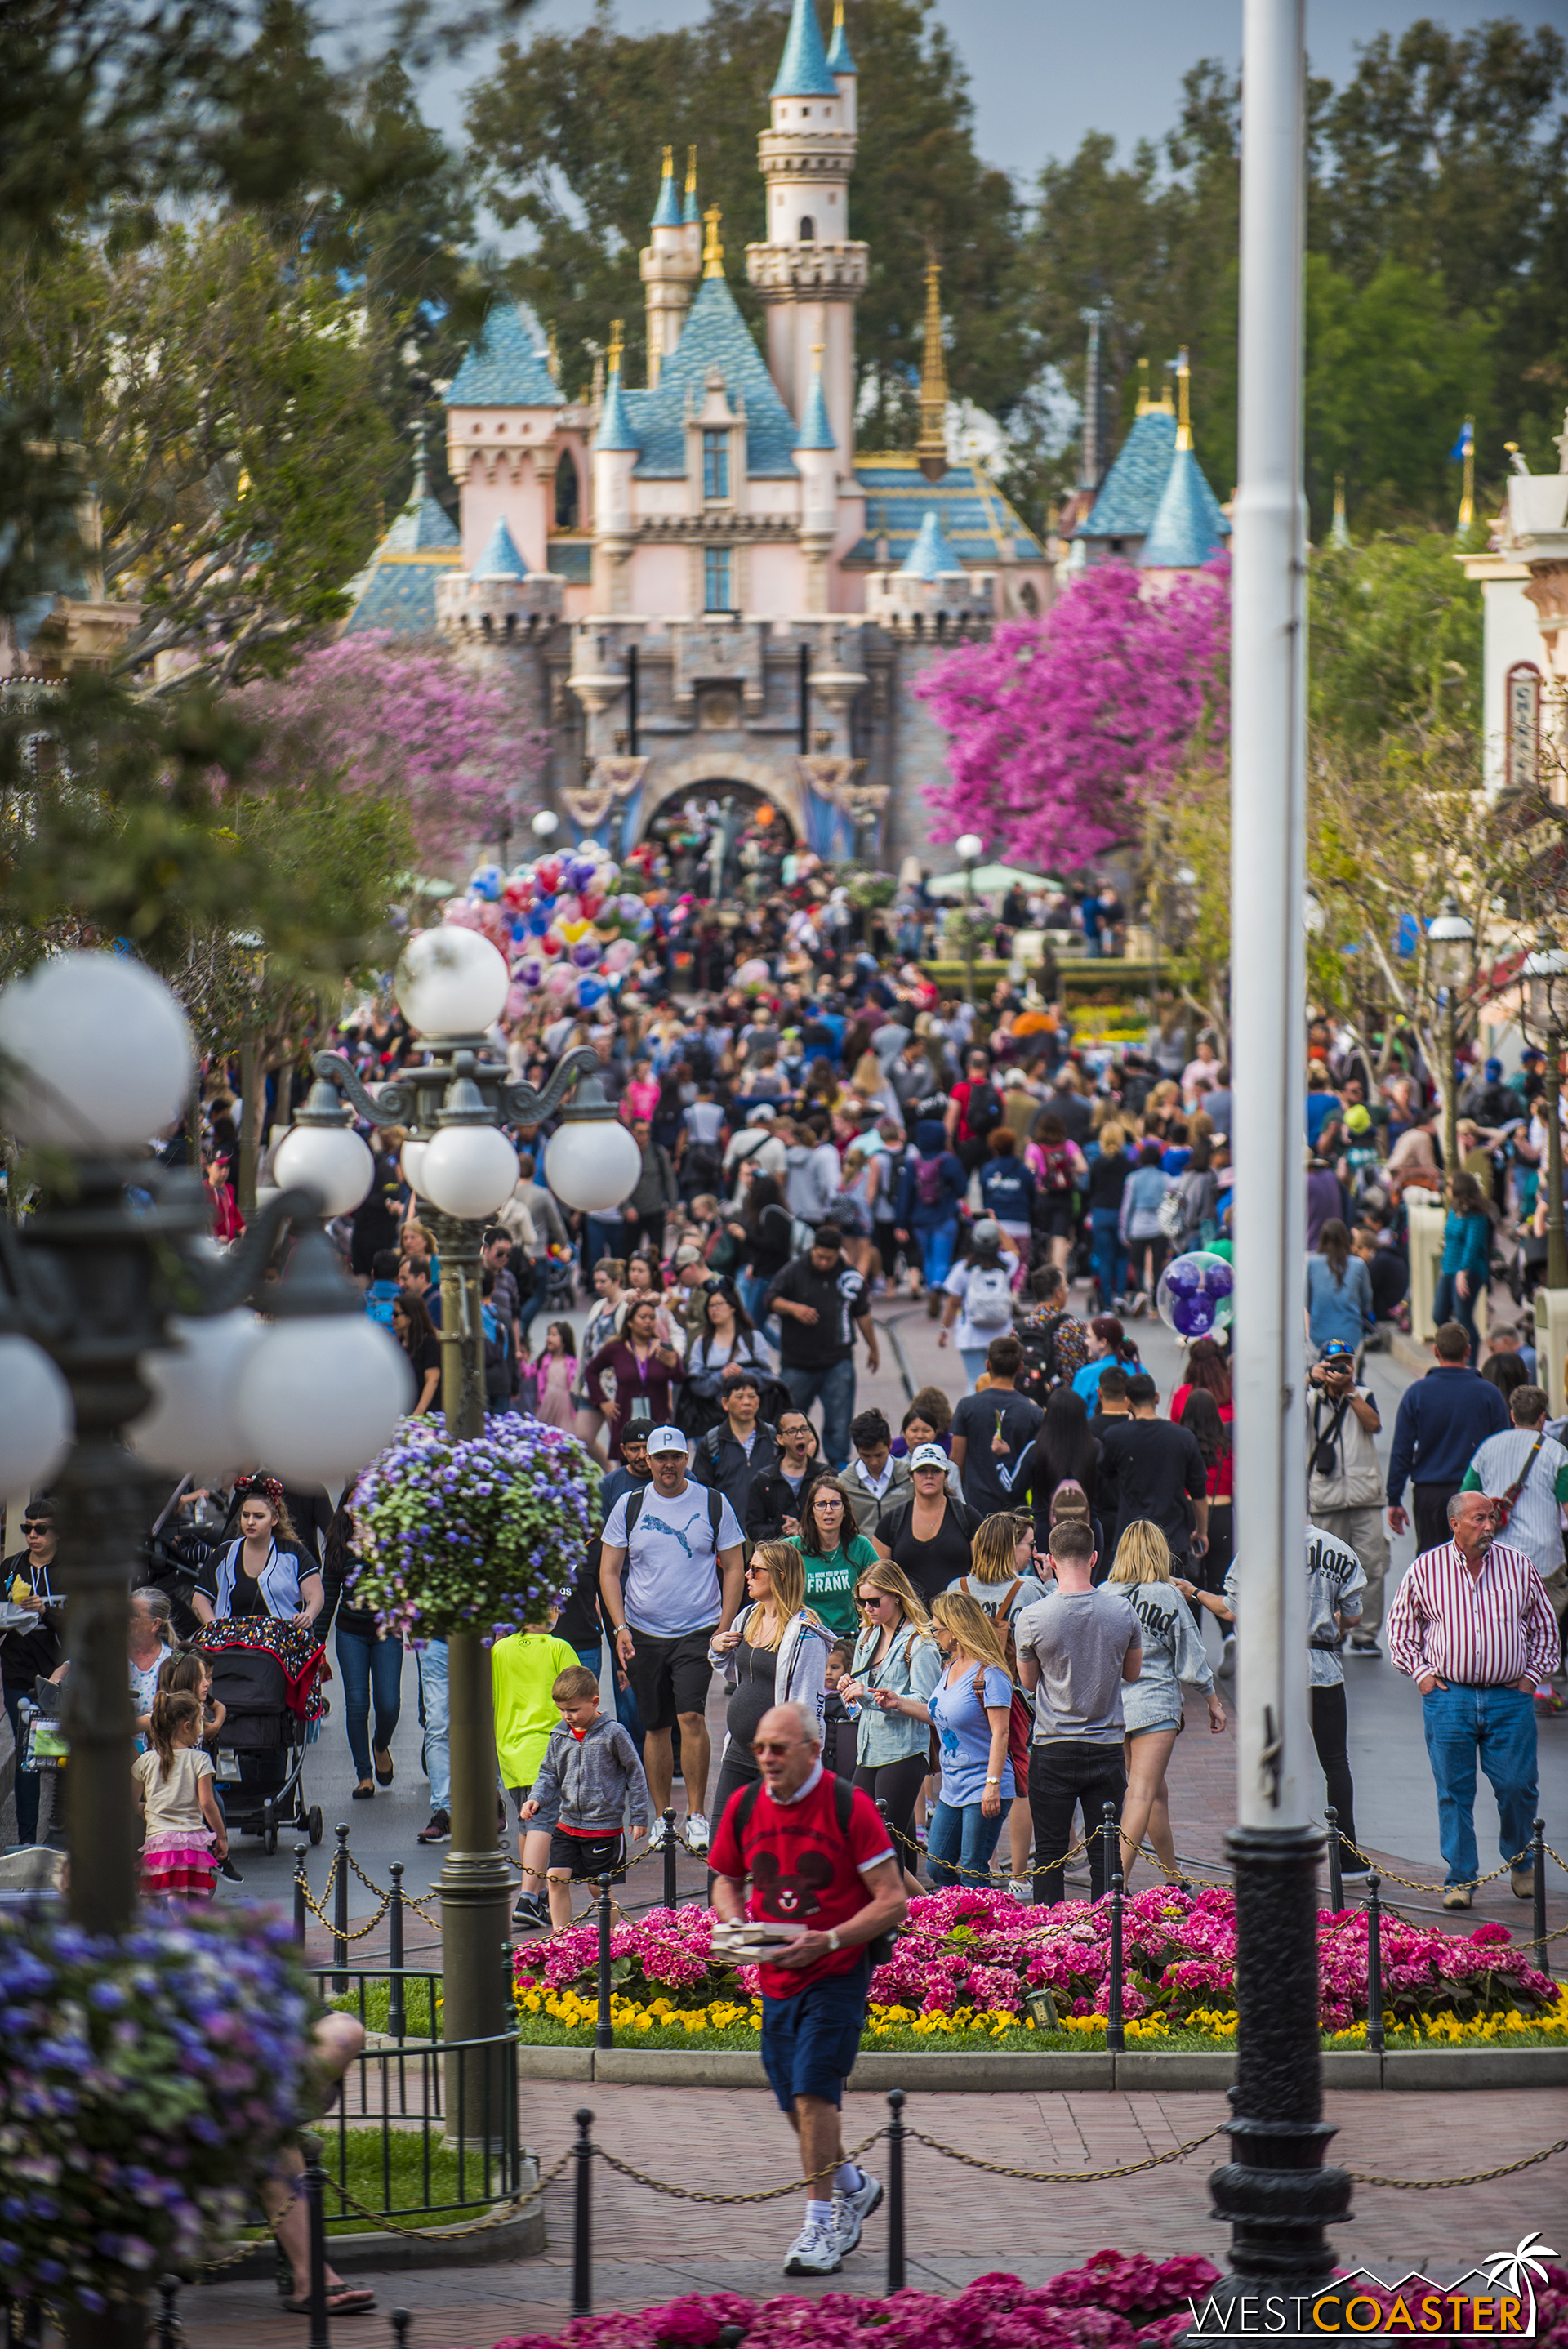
x: 478, y: 1885
x: 1276, y: 2190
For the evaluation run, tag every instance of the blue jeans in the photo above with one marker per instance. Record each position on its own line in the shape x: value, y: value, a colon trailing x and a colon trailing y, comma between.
x: 959, y: 1843
x: 433, y: 1689
x: 938, y: 1247
x: 1448, y: 1305
x: 973, y: 1360
x: 753, y: 1295
x: 1109, y: 1255
x: 1498, y: 1723
x: 601, y: 1238
x: 835, y: 1390
x: 369, y: 1665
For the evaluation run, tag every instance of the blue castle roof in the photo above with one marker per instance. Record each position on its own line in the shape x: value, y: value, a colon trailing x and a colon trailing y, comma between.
x: 1132, y: 489
x: 899, y: 497
x: 931, y: 554
x: 616, y: 429
x: 500, y: 559
x: 397, y: 589
x: 840, y: 61
x: 1188, y: 528
x: 689, y: 212
x: 715, y: 336
x: 503, y: 367
x: 816, y: 431
x: 667, y: 211
x: 803, y: 70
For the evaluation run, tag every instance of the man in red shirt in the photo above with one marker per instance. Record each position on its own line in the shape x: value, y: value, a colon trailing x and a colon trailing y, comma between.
x: 843, y: 1884
x: 974, y: 1107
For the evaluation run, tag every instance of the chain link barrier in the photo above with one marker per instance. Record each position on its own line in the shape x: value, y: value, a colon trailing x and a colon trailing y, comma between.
x: 768, y: 2194
x: 494, y: 2217
x: 1477, y: 2177
x: 1062, y: 2176
x: 317, y: 1908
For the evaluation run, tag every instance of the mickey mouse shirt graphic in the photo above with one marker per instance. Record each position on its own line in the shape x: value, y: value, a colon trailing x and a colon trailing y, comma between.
x: 804, y: 1869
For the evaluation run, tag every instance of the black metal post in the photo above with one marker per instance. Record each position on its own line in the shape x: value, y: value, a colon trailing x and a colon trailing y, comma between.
x: 1375, y: 2039
x: 604, y: 2030
x: 340, y: 1911
x: 583, y: 2220
x: 315, y: 2215
x: 672, y: 1896
x: 168, y: 2315
x: 1539, y: 1918
x: 1111, y: 1834
x: 401, y: 2319
x: 301, y: 1885
x: 1115, y: 2035
x: 1335, y: 1875
x: 896, y: 2137
x: 397, y: 2009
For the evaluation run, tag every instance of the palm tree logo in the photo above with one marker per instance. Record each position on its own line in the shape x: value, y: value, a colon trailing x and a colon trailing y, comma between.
x: 1519, y: 2270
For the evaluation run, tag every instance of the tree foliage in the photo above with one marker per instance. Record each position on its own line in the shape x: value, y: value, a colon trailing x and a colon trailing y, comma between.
x: 567, y: 135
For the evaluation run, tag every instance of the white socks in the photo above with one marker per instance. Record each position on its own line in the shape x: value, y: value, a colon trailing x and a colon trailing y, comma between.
x: 820, y: 2215
x: 848, y: 2179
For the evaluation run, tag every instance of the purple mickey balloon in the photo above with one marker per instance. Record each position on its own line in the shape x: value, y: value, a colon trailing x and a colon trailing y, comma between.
x: 1192, y: 1317
x: 1184, y: 1277
x: 1218, y: 1279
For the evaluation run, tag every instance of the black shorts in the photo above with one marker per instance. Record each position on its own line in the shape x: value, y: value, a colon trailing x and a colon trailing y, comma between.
x: 600, y: 1856
x: 669, y: 1676
x: 1053, y: 1219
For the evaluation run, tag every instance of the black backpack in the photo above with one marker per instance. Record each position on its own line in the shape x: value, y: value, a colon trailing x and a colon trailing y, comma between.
x: 984, y: 1110
x: 715, y: 1506
x: 881, y: 1949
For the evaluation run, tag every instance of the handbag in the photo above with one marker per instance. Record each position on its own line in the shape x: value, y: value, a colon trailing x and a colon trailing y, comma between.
x: 1172, y: 1216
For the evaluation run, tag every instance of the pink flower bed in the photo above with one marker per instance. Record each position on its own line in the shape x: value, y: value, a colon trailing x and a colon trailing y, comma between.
x: 982, y: 1949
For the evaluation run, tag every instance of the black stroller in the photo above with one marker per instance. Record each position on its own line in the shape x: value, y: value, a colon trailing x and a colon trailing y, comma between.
x: 261, y: 1747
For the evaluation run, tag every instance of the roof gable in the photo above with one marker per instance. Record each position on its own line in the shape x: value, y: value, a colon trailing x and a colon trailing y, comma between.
x: 1132, y: 489
x: 502, y: 367
x: 1188, y: 527
x: 715, y: 336
x: 970, y: 514
x: 422, y: 523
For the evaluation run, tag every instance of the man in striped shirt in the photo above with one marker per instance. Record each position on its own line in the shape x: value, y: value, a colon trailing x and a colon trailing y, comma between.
x: 1472, y: 1626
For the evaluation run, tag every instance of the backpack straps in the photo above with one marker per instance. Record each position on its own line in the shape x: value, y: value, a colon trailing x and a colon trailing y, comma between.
x: 715, y: 1510
x: 844, y: 1804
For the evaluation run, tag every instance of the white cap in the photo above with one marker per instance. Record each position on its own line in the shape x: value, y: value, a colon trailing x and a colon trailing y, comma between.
x: 928, y: 1456
x: 666, y: 1439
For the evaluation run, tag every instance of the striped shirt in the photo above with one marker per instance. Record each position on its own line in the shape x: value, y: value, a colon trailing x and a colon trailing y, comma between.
x: 1483, y: 1630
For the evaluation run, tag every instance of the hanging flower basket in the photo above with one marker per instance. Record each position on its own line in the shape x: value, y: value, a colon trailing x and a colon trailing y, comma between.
x: 145, y: 2085
x: 482, y: 1534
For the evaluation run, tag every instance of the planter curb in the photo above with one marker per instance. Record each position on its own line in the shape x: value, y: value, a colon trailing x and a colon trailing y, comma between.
x: 522, y: 2238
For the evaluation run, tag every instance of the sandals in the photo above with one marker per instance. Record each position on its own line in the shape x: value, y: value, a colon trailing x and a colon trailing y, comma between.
x: 342, y: 2300
x: 383, y: 1778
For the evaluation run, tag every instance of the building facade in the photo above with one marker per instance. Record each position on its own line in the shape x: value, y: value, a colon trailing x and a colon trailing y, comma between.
x: 1523, y: 580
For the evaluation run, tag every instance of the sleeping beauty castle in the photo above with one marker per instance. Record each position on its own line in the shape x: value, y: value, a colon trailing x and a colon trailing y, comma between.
x: 699, y: 584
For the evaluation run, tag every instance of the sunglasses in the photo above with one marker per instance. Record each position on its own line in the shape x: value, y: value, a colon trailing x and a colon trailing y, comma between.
x: 772, y: 1745
x: 867, y: 1606
x: 39, y: 1525
x: 754, y: 1568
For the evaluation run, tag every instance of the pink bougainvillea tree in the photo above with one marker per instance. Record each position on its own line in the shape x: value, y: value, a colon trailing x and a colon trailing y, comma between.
x: 417, y: 724
x: 1063, y: 728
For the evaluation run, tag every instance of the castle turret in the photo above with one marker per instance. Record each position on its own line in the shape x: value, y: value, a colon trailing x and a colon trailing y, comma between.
x: 817, y: 463
x: 1188, y: 529
x: 671, y: 263
x: 842, y: 67
x: 931, y: 593
x: 615, y: 451
x: 810, y: 273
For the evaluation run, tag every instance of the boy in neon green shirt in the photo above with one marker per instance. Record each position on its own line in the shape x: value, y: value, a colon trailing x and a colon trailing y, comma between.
x: 524, y: 1669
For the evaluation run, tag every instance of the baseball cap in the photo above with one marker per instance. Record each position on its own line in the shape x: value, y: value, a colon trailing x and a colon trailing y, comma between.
x: 763, y: 1110
x: 1493, y: 1070
x: 987, y: 1233
x: 928, y: 1456
x: 666, y: 1439
x: 1336, y: 1351
x: 1357, y: 1118
x: 688, y: 1253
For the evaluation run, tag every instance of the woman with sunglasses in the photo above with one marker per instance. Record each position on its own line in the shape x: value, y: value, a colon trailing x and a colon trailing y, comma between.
x: 31, y: 1648
x: 971, y: 1710
x: 895, y: 1655
x: 779, y: 1654
x: 927, y: 1533
x: 834, y: 1553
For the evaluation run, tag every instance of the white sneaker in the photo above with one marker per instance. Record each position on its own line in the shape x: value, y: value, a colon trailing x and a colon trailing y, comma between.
x: 696, y: 1834
x: 1019, y: 1889
x: 659, y: 1835
x: 852, y: 2211
x: 814, y: 2252
x: 1224, y: 1670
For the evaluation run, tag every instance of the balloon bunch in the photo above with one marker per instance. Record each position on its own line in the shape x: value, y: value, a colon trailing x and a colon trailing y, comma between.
x: 566, y: 934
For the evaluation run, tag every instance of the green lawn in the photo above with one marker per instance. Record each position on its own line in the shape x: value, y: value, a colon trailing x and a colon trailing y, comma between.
x: 377, y: 2007
x: 366, y: 2180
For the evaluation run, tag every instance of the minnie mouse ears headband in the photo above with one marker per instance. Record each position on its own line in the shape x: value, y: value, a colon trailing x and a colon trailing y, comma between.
x: 265, y: 1488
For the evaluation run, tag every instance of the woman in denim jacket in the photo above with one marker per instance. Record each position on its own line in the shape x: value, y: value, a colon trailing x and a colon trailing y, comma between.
x: 895, y: 1655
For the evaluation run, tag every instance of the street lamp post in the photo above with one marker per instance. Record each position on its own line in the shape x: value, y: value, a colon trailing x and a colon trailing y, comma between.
x: 1448, y: 942
x: 1275, y: 2191
x: 451, y: 985
x: 971, y: 848
x: 1545, y: 977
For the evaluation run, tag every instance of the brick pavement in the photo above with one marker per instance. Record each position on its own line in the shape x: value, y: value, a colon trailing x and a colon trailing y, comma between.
x: 962, y: 2224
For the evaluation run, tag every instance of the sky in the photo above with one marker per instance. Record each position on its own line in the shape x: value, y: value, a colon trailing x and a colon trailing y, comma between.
x: 1041, y: 72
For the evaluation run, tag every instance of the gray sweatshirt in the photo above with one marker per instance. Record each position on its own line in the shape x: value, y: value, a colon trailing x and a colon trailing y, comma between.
x: 1172, y: 1653
x: 590, y: 1778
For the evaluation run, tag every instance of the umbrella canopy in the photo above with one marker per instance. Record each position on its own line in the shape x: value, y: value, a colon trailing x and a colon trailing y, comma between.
x: 989, y: 880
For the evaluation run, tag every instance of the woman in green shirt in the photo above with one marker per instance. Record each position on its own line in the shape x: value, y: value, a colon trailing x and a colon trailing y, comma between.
x: 834, y: 1556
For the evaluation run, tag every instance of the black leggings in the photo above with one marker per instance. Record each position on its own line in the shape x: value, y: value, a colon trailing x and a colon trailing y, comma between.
x: 1330, y: 1726
x: 735, y: 1772
x: 898, y: 1785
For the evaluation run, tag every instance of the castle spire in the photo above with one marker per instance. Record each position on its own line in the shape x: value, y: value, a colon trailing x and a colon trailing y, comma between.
x: 931, y: 446
x: 840, y: 61
x: 1144, y: 403
x: 667, y: 211
x: 803, y: 70
x: 712, y: 251
x: 421, y: 487
x: 617, y: 345
x: 689, y: 211
x: 1184, y: 401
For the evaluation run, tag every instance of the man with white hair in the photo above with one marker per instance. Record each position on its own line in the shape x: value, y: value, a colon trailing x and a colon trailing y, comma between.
x: 826, y: 1887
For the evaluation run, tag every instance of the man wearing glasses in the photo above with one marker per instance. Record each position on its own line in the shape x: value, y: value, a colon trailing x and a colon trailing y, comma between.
x: 823, y: 1873
x: 31, y: 1648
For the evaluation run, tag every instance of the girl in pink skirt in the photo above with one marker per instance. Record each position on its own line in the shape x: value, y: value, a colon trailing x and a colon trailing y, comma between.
x: 557, y: 1369
x: 185, y: 1837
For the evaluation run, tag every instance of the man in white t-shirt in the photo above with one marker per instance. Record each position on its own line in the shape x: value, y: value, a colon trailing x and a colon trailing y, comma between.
x: 1535, y: 1522
x: 680, y: 1548
x: 757, y: 1145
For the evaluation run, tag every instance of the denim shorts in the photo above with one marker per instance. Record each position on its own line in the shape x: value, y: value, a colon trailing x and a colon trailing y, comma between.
x: 809, y: 2042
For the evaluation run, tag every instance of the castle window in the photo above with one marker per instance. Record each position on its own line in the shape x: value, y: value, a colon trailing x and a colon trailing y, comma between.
x: 807, y: 229
x: 566, y: 493
x: 715, y: 464
x: 716, y: 581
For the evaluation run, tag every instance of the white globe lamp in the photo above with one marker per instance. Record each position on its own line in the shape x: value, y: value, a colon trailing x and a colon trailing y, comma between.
x: 451, y: 982
x: 970, y: 847
x: 592, y: 1161
x: 193, y: 1423
x: 322, y: 1392
x: 100, y: 1052
x: 330, y: 1160
x: 37, y: 1418
x: 468, y: 1170
x: 412, y: 1161
x: 546, y: 824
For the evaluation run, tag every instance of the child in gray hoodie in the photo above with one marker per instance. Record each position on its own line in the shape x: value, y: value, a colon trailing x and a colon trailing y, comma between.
x: 589, y: 1772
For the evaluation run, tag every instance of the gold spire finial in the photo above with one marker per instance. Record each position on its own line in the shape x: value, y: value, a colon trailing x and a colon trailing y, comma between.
x: 552, y: 354
x: 931, y: 446
x: 668, y: 171
x: 691, y: 172
x: 817, y: 350
x: 712, y: 250
x: 838, y: 20
x: 617, y: 344
x: 1144, y: 403
x: 1184, y: 401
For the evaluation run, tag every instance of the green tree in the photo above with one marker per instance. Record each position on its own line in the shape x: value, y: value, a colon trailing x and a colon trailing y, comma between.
x: 1395, y: 644
x: 567, y: 134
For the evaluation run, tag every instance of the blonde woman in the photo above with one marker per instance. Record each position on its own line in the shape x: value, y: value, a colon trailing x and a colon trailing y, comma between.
x: 971, y: 1710
x: 1107, y: 1172
x: 779, y: 1654
x: 894, y: 1656
x: 1172, y: 1653
x: 1002, y: 1580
